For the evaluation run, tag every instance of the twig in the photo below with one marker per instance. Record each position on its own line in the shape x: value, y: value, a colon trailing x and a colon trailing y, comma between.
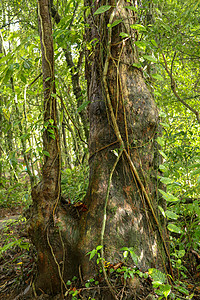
x: 35, y: 80
x: 173, y: 87
x: 71, y: 119
x: 102, y: 148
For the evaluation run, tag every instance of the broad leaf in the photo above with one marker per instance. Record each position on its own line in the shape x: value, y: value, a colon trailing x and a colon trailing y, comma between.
x: 166, y: 180
x: 83, y: 106
x: 157, y: 76
x: 138, y: 27
x: 115, y: 23
x: 171, y: 215
x: 174, y: 228
x: 157, y: 275
x: 102, y: 9
x: 169, y: 197
x: 150, y: 58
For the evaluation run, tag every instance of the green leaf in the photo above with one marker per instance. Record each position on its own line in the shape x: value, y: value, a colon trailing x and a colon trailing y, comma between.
x: 125, y: 276
x: 157, y: 76
x: 182, y: 290
x: 195, y: 172
x: 134, y: 257
x: 165, y: 125
x: 162, y: 211
x: 46, y: 153
x: 7, y: 76
x: 181, y: 253
x: 163, y: 168
x: 166, y: 180
x: 171, y: 215
x: 138, y: 27
x: 51, y: 121
x: 102, y: 9
x: 92, y: 254
x: 168, y: 197
x: 154, y: 43
x: 197, y: 165
x: 74, y: 278
x: 23, y: 78
x: 165, y: 289
x: 157, y: 275
x: 125, y: 254
x: 87, y: 284
x: 137, y: 65
x: 132, y: 8
x: 163, y: 154
x: 99, y: 247
x: 123, y: 35
x: 124, y: 249
x: 150, y: 58
x: 26, y: 64
x: 156, y: 284
x: 141, y: 44
x: 83, y: 106
x: 161, y: 141
x: 174, y: 228
x: 51, y: 130
x: 167, y: 27
x: 115, y: 23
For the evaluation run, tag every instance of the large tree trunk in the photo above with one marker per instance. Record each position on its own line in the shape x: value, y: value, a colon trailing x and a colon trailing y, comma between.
x: 123, y: 119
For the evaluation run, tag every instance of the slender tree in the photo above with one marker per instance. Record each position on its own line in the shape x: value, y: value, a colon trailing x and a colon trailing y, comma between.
x: 47, y: 193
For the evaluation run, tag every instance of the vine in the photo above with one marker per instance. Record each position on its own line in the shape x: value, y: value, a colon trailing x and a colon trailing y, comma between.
x: 121, y: 142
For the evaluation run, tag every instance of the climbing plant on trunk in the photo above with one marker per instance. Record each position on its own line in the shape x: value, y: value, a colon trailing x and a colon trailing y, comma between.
x: 124, y: 123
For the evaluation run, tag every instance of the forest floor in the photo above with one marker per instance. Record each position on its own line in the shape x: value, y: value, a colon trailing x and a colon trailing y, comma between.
x: 17, y: 264
x: 16, y: 255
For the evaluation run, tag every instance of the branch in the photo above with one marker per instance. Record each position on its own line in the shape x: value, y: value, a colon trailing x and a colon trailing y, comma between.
x: 71, y: 119
x: 34, y: 80
x: 74, y: 70
x: 16, y: 22
x: 173, y: 87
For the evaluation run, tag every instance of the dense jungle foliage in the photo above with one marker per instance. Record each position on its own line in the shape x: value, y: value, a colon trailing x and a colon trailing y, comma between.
x: 168, y: 39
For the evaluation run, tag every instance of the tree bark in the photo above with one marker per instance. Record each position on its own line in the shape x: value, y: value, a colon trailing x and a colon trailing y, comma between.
x: 123, y: 117
x: 46, y: 194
